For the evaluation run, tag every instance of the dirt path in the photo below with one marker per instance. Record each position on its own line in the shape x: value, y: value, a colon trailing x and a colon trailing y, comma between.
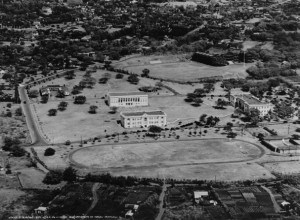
x: 95, y: 197
x: 161, y: 205
x: 275, y: 204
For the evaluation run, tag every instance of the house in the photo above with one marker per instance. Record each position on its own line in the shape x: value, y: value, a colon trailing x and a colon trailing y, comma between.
x: 246, y: 102
x: 143, y: 119
x: 46, y: 10
x: 199, y: 195
x: 127, y: 99
x: 57, y: 88
x: 41, y: 211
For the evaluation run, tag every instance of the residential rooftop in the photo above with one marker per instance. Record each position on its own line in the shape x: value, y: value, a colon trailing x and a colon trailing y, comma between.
x: 155, y: 113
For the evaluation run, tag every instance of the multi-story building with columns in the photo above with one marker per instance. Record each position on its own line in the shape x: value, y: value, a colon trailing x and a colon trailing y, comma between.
x: 127, y: 99
x: 143, y: 119
x: 246, y: 102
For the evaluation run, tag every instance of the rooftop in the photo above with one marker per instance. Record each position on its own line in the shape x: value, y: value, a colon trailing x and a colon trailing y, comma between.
x: 250, y: 99
x: 125, y: 93
x: 199, y: 194
x: 128, y: 114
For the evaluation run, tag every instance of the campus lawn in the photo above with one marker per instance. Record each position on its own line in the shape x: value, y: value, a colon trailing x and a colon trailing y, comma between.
x: 75, y: 122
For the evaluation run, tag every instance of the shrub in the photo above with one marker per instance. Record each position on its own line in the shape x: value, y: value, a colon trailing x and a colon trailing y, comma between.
x: 17, y: 151
x: 8, y: 114
x: 52, y: 112
x: 69, y: 174
x: 49, y: 152
x: 18, y: 111
x: 119, y: 76
x: 154, y: 129
x: 80, y: 99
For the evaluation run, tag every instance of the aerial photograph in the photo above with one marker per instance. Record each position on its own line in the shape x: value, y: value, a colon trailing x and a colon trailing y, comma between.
x: 150, y: 109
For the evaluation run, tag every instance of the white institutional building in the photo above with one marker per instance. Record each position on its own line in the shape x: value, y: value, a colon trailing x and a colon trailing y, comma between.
x: 143, y: 119
x: 246, y: 102
x: 127, y: 99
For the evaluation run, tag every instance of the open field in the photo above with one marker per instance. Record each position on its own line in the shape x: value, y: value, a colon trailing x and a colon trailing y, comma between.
x: 188, y: 71
x: 173, y: 67
x: 100, y: 90
x: 75, y: 122
x: 165, y: 154
x: 285, y: 167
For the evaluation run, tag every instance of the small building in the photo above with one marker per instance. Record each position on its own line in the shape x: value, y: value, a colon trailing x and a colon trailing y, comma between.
x: 46, y: 10
x: 143, y: 119
x: 41, y: 211
x: 127, y: 99
x: 246, y: 102
x: 199, y: 195
x: 57, y: 88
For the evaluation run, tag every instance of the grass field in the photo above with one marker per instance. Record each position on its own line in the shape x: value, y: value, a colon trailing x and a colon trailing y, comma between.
x: 100, y: 90
x: 165, y: 153
x: 75, y: 122
x: 188, y: 71
x: 179, y: 67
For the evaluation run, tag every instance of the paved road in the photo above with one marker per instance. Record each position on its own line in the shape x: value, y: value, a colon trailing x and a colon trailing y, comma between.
x: 36, y: 136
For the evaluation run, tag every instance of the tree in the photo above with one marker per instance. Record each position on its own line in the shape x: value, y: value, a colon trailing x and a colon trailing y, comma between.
x: 93, y: 109
x: 9, y: 142
x: 133, y: 79
x: 80, y: 99
x: 69, y: 174
x: 53, y: 178
x: 33, y: 93
x: 44, y: 99
x: 154, y: 129
x: 221, y: 103
x: 145, y: 73
x: 254, y: 115
x: 208, y: 87
x: 19, y: 112
x: 119, y: 76
x: 62, y: 106
x: 103, y: 80
x: 283, y: 110
x: 202, y: 118
x: 70, y: 74
x: 52, y: 112
x: 49, y: 152
x: 114, y: 109
x: 228, y: 126
x: 17, y: 151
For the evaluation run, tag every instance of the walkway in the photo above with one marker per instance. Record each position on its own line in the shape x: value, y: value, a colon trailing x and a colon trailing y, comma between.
x: 275, y: 204
x: 161, y: 205
x: 95, y: 198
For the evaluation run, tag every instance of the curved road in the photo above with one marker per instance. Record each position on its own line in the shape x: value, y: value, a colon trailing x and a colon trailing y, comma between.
x: 78, y: 165
x: 36, y: 136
